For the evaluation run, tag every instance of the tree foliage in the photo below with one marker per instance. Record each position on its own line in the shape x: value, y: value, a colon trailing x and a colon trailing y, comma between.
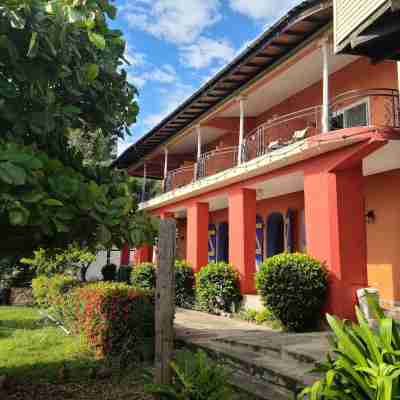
x: 62, y: 84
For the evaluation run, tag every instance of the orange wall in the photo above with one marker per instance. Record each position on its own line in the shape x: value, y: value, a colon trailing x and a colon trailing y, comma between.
x: 382, y: 195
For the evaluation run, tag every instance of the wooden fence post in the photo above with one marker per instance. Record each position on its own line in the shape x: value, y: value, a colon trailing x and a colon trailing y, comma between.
x: 165, y: 301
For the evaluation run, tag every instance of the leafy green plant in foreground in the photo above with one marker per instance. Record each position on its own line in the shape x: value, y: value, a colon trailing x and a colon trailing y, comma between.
x: 366, y: 364
x: 196, y: 377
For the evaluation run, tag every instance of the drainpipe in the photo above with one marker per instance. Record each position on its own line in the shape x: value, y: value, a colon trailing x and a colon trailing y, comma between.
x: 241, y: 130
x: 144, y: 181
x: 197, y: 169
x: 165, y: 166
x: 325, y: 86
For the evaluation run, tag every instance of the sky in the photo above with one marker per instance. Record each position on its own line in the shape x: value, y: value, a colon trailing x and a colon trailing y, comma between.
x: 175, y: 46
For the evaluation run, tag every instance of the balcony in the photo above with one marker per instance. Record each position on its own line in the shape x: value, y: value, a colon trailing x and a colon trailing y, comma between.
x: 284, y: 133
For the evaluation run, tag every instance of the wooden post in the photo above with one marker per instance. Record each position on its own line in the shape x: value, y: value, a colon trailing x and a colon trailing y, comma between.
x: 165, y: 301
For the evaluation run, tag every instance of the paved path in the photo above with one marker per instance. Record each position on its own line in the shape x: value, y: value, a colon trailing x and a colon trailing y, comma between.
x: 192, y: 325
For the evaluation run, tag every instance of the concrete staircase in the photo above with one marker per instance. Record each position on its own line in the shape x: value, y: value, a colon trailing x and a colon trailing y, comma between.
x: 266, y: 364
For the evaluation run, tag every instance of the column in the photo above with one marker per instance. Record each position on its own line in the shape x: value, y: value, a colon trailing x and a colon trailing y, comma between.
x: 325, y: 86
x: 125, y: 255
x: 242, y: 236
x: 241, y: 130
x: 398, y: 74
x: 198, y: 168
x: 197, y: 235
x: 144, y: 182
x: 336, y: 232
x: 165, y: 169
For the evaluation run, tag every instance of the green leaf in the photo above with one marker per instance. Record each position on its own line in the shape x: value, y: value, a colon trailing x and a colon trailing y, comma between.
x: 103, y: 234
x: 32, y: 197
x: 91, y: 71
x: 97, y: 39
x: 33, y: 46
x: 53, y: 203
x: 12, y: 174
x: 18, y: 216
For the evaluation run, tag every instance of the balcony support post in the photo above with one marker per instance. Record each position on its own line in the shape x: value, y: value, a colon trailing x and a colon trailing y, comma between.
x: 241, y: 129
x: 144, y: 181
x: 398, y: 75
x: 165, y: 163
x: 325, y: 86
x: 196, y: 170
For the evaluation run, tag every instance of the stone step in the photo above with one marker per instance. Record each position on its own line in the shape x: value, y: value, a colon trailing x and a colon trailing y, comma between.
x: 285, y: 376
x: 258, y: 389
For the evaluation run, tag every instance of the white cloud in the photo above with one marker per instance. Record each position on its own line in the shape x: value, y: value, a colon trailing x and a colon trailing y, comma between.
x: 165, y: 74
x: 262, y: 10
x: 205, y: 51
x: 177, y: 21
x: 171, y: 100
x: 135, y: 58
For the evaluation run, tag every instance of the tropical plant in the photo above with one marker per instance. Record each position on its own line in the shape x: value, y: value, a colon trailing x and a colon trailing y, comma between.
x: 74, y: 260
x: 366, y: 365
x: 196, y: 377
x: 217, y: 287
x: 64, y: 97
x: 293, y: 287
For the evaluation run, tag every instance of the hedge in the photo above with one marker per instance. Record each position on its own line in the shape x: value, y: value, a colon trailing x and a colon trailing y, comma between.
x: 293, y: 287
x: 116, y: 320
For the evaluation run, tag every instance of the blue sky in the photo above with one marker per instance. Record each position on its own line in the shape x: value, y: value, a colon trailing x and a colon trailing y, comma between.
x: 175, y: 46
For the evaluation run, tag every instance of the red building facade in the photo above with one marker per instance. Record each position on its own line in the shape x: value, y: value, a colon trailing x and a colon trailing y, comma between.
x: 289, y: 148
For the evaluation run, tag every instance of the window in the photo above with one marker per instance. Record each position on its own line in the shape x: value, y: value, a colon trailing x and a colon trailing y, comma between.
x: 354, y: 115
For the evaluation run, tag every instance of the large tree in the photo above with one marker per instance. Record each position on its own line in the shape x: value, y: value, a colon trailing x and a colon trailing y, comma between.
x: 62, y: 83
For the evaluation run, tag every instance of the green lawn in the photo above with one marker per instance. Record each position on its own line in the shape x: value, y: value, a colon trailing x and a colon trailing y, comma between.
x: 44, y: 363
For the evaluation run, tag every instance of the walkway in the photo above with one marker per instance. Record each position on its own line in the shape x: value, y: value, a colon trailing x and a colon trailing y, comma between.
x: 266, y: 363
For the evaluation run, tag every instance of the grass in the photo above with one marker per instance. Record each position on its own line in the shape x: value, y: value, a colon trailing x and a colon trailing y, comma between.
x: 42, y: 362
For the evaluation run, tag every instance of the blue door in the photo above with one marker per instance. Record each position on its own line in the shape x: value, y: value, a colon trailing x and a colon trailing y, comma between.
x: 275, y: 234
x: 223, y: 242
x: 212, y: 243
x: 259, y: 241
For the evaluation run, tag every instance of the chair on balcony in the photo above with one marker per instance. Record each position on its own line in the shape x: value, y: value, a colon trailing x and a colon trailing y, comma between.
x: 297, y: 136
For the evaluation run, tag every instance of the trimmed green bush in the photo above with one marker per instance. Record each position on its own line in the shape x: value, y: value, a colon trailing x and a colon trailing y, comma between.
x: 217, y: 287
x: 116, y: 320
x: 293, y: 287
x: 46, y: 290
x: 184, y: 284
x: 124, y: 274
x: 143, y: 276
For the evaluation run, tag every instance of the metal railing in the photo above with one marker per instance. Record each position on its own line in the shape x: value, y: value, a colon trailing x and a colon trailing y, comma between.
x: 179, y: 177
x: 282, y: 130
x: 217, y: 160
x: 383, y: 107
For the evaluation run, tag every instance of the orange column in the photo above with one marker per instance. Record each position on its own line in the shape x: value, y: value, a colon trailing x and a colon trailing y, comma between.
x: 197, y: 235
x: 242, y: 236
x: 144, y: 254
x: 336, y: 232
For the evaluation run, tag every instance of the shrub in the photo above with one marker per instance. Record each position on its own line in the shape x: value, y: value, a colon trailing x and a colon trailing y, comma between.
x: 366, y: 365
x: 46, y: 290
x: 184, y: 284
x: 143, y: 276
x: 74, y: 260
x: 116, y: 320
x: 124, y: 274
x: 293, y: 287
x: 109, y: 272
x: 217, y: 287
x: 195, y: 377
